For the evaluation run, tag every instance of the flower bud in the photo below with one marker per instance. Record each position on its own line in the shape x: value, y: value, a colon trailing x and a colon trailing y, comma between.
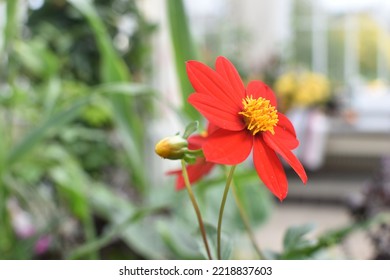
x: 173, y: 147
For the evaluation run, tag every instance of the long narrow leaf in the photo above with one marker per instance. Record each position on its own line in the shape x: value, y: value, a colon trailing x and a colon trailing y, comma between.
x: 125, y: 88
x: 113, y: 69
x: 183, y: 50
x: 114, y: 232
x: 52, y: 123
x: 74, y: 187
x: 12, y: 26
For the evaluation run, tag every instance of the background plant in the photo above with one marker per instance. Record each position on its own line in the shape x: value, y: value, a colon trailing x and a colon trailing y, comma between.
x: 75, y: 103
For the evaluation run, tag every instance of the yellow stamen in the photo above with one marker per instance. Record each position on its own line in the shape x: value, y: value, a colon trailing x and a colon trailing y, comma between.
x: 259, y: 115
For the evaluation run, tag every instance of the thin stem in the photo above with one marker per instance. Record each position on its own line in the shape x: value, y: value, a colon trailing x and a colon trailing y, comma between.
x: 5, y: 232
x: 225, y: 193
x: 196, y: 208
x: 245, y: 220
x: 90, y: 234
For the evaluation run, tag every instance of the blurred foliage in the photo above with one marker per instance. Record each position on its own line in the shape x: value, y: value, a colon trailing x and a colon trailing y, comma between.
x: 297, y: 245
x: 75, y: 100
x: 60, y: 113
x: 75, y: 160
x: 184, y: 50
x: 62, y: 28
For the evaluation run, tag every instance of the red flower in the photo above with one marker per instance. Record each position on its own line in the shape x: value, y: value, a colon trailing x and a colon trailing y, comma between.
x: 201, y: 167
x: 247, y: 119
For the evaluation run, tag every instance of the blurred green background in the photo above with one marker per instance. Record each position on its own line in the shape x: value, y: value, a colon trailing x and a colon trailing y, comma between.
x: 83, y: 101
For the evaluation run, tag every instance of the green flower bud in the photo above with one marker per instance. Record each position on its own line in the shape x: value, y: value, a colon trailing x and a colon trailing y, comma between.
x: 173, y: 147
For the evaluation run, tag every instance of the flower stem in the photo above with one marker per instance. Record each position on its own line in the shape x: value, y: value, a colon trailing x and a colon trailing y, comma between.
x: 225, y: 193
x: 196, y: 208
x: 245, y: 220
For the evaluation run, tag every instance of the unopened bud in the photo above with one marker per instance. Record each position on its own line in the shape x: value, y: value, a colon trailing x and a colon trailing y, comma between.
x: 173, y: 147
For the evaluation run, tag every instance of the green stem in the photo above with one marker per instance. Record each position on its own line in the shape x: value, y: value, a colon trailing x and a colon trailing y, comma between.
x: 89, y: 227
x: 196, y: 208
x: 225, y: 193
x: 90, y: 235
x: 5, y: 232
x: 11, y: 32
x: 245, y: 220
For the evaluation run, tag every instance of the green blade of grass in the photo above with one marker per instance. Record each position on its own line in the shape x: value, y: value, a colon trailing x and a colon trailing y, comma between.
x: 183, y: 50
x: 12, y: 26
x: 125, y: 88
x: 7, y: 71
x: 113, y: 69
x: 52, y: 123
x: 74, y: 187
x: 114, y: 232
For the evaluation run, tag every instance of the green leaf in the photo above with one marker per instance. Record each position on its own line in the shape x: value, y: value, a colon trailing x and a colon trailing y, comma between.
x: 113, y: 69
x: 12, y: 25
x: 124, y: 88
x: 50, y: 124
x: 183, y: 50
x: 226, y: 243
x: 112, y: 233
x: 331, y: 238
x: 190, y: 128
x: 255, y: 197
x: 71, y: 180
x: 256, y: 201
x: 142, y: 235
x: 295, y: 237
x: 74, y: 185
x: 241, y: 176
x: 177, y: 239
x: 35, y: 56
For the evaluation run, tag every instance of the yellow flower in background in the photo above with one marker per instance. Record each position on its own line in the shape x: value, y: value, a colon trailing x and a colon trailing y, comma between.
x: 377, y: 84
x: 303, y: 89
x: 286, y: 85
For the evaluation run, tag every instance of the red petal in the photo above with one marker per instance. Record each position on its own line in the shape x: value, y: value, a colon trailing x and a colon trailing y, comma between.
x: 286, y: 124
x: 289, y: 140
x: 211, y: 128
x: 220, y: 114
x: 227, y: 70
x: 196, y: 142
x: 195, y: 172
x: 285, y: 132
x: 179, y: 179
x: 228, y: 147
x: 258, y: 89
x: 269, y: 168
x: 278, y: 146
x: 206, y: 80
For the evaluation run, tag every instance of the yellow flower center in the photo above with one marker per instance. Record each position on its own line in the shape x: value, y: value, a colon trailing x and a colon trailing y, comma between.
x: 259, y: 115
